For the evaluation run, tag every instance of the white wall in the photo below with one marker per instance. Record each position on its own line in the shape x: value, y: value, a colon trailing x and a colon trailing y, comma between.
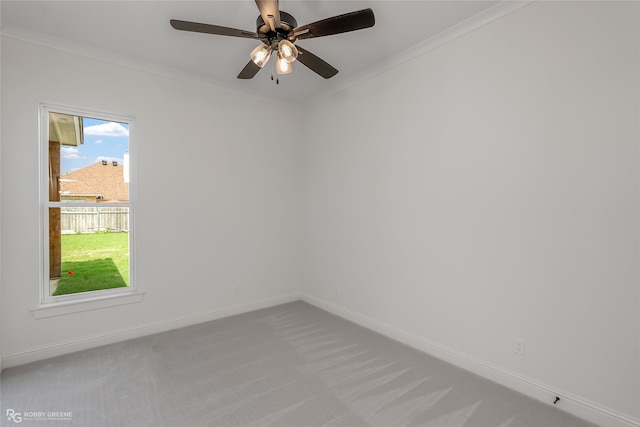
x: 216, y: 206
x: 489, y: 189
x: 485, y: 190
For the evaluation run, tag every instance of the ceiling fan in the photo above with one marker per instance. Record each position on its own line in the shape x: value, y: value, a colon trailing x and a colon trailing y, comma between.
x: 278, y: 31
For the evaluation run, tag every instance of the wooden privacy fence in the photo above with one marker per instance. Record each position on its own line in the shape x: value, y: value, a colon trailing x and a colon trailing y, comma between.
x: 92, y: 219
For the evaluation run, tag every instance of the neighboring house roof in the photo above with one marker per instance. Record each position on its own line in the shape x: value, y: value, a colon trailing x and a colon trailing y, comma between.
x: 98, y: 179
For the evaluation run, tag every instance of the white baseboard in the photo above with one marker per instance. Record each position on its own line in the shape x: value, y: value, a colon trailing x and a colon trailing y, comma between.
x: 71, y: 346
x: 568, y: 402
x: 571, y: 403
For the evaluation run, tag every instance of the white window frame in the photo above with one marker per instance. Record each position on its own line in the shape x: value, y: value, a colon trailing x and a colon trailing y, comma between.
x: 64, y: 304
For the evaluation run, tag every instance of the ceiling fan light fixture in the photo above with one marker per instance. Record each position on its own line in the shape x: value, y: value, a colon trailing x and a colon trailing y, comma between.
x: 287, y: 51
x: 282, y: 65
x: 278, y: 31
x: 260, y: 55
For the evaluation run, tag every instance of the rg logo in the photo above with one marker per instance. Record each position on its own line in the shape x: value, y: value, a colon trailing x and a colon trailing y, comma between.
x: 14, y: 416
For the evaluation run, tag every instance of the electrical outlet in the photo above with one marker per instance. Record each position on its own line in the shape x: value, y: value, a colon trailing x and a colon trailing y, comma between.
x: 518, y: 346
x: 235, y: 289
x: 337, y: 290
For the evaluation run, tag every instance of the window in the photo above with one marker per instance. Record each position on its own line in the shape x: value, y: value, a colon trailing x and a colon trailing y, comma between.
x: 87, y: 206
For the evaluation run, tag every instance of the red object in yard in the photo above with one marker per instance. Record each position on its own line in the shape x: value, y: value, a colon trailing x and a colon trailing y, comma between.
x: 70, y: 273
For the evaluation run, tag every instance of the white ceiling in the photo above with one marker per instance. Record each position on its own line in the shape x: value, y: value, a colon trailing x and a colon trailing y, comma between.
x: 138, y: 33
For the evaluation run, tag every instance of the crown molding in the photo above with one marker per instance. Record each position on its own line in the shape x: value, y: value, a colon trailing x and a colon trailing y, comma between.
x: 23, y: 34
x: 473, y: 23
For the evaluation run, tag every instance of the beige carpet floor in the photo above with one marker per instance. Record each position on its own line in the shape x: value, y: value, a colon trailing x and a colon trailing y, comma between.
x: 291, y: 365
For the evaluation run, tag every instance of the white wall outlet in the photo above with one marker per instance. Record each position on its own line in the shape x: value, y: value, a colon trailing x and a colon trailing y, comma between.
x: 518, y: 346
x: 337, y: 290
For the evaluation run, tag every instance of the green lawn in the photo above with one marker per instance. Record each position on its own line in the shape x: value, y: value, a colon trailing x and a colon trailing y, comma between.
x: 92, y: 262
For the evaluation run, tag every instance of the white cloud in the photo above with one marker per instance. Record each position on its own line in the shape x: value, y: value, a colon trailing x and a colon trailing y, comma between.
x: 107, y: 129
x: 69, y: 152
x: 99, y: 141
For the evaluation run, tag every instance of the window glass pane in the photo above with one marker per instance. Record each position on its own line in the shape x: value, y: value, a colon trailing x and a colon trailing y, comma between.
x: 88, y: 163
x: 88, y: 160
x: 90, y: 261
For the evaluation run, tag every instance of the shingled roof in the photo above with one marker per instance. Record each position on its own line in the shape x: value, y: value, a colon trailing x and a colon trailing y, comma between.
x: 105, y: 182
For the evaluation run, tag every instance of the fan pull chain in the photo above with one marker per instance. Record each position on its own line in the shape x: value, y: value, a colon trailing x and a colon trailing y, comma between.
x: 273, y: 68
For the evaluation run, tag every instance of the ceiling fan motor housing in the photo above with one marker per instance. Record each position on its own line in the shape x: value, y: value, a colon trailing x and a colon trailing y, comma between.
x: 287, y: 24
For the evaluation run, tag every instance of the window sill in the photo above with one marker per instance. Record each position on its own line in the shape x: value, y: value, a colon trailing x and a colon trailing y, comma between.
x: 62, y: 308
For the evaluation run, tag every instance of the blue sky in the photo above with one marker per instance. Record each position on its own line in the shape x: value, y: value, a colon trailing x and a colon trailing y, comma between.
x: 103, y: 140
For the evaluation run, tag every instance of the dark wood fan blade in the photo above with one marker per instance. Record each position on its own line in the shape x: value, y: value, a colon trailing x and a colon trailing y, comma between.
x: 249, y: 71
x: 315, y: 64
x: 270, y: 12
x: 198, y: 27
x: 338, y: 24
